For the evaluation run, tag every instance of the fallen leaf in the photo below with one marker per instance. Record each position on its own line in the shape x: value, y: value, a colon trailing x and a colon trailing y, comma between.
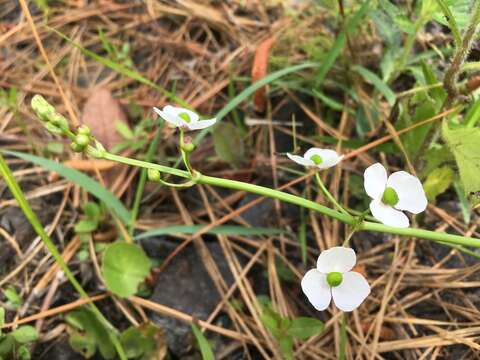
x: 101, y: 112
x: 259, y: 71
x: 386, y: 333
x: 360, y: 268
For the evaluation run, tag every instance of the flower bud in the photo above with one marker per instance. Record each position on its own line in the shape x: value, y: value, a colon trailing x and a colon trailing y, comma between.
x: 42, y: 108
x: 76, y: 147
x: 153, y: 175
x: 53, y: 128
x: 82, y: 140
x: 188, y: 147
x: 59, y: 121
x: 84, y: 130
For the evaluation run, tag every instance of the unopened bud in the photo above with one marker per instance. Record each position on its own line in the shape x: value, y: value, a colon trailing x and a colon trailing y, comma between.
x: 59, y: 121
x: 187, y: 145
x: 84, y: 130
x: 42, y: 108
x: 53, y: 128
x: 153, y: 175
x: 76, y: 147
x: 82, y: 140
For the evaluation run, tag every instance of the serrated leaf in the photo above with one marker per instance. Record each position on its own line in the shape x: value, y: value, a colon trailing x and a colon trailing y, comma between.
x: 205, y: 349
x: 463, y: 142
x: 304, y: 327
x: 438, y: 181
x: 124, y: 267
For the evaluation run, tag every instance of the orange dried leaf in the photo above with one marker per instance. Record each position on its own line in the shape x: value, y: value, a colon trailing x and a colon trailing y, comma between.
x: 259, y: 71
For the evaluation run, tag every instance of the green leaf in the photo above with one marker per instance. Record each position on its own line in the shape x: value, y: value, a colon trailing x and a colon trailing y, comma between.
x: 83, y: 344
x: 7, y: 345
x: 463, y: 142
x: 14, y: 299
x: 205, y: 349
x: 438, y: 93
x: 464, y: 205
x: 286, y: 346
x: 124, y: 267
x: 379, y: 84
x: 85, y: 226
x: 304, y: 327
x: 451, y: 21
x: 460, y: 10
x: 472, y: 117
x: 25, y: 334
x: 79, y: 178
x: 425, y: 108
x: 92, y: 210
x: 85, y: 320
x: 217, y: 230
x: 23, y: 353
x: 136, y: 343
x: 339, y: 43
x: 438, y: 181
x: 2, y: 319
x: 229, y: 144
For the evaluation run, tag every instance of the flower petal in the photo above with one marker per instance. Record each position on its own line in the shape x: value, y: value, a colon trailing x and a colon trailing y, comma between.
x: 338, y: 258
x: 329, y: 157
x: 169, y: 117
x: 174, y: 110
x: 388, y: 215
x: 315, y: 287
x: 411, y: 196
x: 375, y: 180
x: 201, y: 124
x: 300, y: 160
x: 351, y: 292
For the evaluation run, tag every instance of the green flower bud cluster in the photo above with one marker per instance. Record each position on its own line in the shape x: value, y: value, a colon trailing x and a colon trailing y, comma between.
x: 82, y: 139
x: 54, y: 122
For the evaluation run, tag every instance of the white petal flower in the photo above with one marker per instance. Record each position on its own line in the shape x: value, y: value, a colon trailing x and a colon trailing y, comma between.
x: 391, y: 195
x: 319, y: 158
x: 333, y: 278
x: 180, y: 117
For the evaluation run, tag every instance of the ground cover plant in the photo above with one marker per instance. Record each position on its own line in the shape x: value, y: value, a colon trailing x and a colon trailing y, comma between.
x: 239, y: 179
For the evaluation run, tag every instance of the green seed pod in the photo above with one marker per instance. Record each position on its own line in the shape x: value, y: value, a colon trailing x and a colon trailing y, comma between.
x: 153, y: 175
x: 82, y: 140
x: 188, y: 147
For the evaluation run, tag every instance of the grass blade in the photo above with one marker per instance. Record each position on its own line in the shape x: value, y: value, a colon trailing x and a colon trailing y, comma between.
x: 205, y: 349
x: 82, y: 180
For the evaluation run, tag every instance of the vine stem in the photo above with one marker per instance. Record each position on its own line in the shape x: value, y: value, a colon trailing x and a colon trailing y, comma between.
x: 308, y: 204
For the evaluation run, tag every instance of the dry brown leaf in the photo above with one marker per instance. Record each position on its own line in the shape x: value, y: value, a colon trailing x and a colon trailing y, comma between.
x: 259, y: 71
x: 101, y: 112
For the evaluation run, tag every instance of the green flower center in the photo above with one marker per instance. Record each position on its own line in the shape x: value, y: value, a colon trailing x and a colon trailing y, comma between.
x: 316, y: 159
x: 185, y: 117
x: 390, y: 197
x: 334, y: 278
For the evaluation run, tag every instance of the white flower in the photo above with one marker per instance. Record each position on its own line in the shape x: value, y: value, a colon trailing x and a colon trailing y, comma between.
x: 333, y: 279
x: 180, y: 117
x: 400, y: 191
x: 319, y: 158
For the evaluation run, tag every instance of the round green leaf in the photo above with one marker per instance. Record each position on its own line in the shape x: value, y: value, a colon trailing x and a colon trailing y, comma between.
x: 124, y: 267
x: 25, y: 334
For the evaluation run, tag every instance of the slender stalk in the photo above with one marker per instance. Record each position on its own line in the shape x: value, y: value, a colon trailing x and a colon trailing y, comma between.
x: 308, y: 204
x: 327, y: 193
x: 343, y: 337
x: 37, y: 226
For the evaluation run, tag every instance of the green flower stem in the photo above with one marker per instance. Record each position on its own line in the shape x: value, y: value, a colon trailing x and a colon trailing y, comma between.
x: 308, y: 204
x: 37, y: 226
x: 329, y: 195
x: 185, y: 155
